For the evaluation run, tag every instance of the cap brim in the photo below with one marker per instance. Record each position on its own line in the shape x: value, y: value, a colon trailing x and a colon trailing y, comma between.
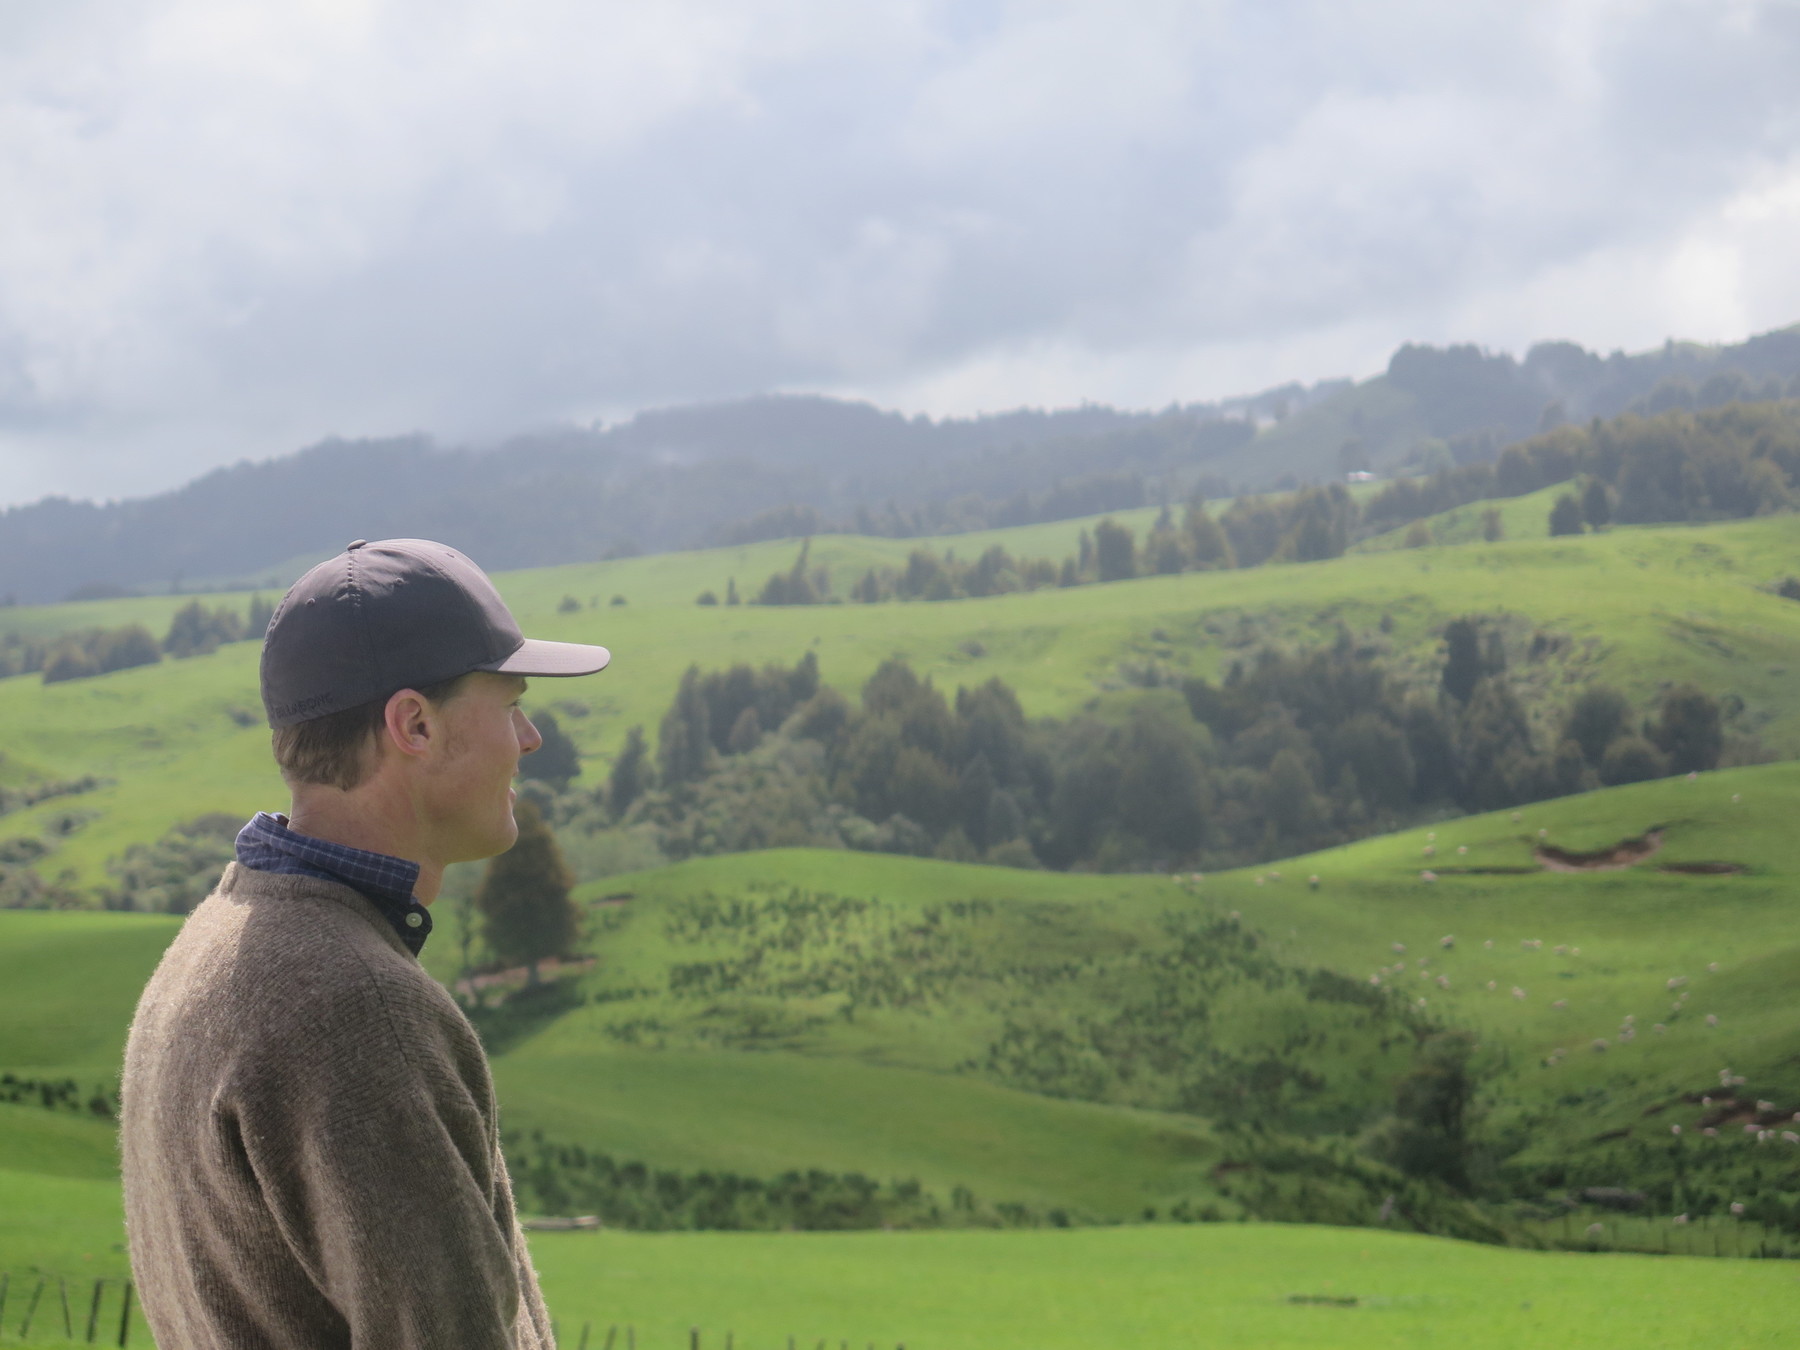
x: 537, y: 657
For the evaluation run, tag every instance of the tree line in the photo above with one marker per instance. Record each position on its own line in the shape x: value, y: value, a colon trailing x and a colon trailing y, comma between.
x: 194, y: 630
x: 1717, y: 463
x: 1290, y: 750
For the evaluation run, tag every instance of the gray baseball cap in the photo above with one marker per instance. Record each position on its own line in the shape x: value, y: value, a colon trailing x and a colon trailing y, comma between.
x: 391, y: 615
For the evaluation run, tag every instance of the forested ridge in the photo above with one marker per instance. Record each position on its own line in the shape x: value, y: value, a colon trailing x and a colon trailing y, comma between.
x: 1292, y: 750
x: 786, y: 466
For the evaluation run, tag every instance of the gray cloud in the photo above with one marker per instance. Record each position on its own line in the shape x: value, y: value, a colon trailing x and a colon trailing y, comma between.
x: 232, y: 229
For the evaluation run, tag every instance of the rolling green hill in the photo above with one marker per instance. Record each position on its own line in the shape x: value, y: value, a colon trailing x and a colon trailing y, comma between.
x: 858, y: 1048
x: 1642, y: 607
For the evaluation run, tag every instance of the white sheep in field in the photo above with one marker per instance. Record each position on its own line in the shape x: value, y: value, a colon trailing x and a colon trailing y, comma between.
x: 1676, y: 1129
x: 1518, y: 992
x: 1399, y: 946
x: 1447, y: 942
x: 1428, y: 876
x: 1712, y: 1019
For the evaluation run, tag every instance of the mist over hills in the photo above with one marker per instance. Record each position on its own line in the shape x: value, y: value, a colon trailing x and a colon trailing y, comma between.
x: 770, y: 466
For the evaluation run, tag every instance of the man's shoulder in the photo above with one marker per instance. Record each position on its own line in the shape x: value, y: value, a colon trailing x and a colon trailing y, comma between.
x: 280, y: 955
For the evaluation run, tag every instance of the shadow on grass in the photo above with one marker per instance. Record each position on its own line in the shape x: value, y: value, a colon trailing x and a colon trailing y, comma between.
x: 524, y: 1013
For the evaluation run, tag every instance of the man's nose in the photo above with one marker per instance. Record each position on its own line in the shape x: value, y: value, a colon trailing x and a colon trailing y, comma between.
x: 529, y: 737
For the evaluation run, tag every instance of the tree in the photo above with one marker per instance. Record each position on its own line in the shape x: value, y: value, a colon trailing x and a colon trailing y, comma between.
x: 1688, y: 729
x: 556, y: 761
x: 1429, y: 1134
x: 630, y: 776
x: 684, y: 747
x: 745, y: 734
x: 1462, y: 659
x: 1493, y: 528
x: 1596, y: 504
x: 1631, y: 759
x: 524, y: 895
x: 1596, y: 718
x: 196, y: 630
x: 1566, y: 516
x: 1115, y: 551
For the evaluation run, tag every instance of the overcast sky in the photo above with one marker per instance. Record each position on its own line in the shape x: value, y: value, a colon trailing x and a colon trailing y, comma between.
x: 229, y: 229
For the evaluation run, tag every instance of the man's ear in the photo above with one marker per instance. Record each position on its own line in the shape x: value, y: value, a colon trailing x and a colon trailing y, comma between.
x: 411, y: 724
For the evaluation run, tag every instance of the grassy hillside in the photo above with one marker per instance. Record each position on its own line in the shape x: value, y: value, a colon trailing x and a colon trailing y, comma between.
x: 869, y: 1069
x: 1643, y: 606
x: 707, y: 1039
x: 1231, y: 1285
x: 1217, y: 1285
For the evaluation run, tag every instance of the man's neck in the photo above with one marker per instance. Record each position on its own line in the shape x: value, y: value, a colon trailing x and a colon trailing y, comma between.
x: 356, y: 820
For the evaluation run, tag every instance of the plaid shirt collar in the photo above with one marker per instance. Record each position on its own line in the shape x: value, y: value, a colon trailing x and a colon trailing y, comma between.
x: 266, y: 844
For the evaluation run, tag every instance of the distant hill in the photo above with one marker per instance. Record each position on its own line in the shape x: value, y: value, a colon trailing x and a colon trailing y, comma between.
x: 777, y: 466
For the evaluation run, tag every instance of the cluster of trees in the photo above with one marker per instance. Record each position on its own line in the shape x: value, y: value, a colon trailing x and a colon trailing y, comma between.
x: 43, y: 790
x: 75, y: 655
x: 1721, y: 463
x: 1733, y: 461
x: 726, y: 713
x: 1290, y: 751
x: 1304, y: 526
x: 194, y: 631
x: 176, y: 872
x: 59, y: 1094
x: 569, y: 1180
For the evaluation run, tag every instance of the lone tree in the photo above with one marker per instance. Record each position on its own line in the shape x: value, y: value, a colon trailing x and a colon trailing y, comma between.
x: 524, y: 896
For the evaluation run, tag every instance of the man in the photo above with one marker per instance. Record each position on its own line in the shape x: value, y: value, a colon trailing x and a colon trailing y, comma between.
x: 310, y: 1148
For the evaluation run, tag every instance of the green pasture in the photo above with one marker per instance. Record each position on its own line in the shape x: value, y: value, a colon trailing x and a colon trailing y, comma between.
x: 880, y: 1095
x: 1641, y: 606
x: 1224, y: 1285
x: 1526, y: 517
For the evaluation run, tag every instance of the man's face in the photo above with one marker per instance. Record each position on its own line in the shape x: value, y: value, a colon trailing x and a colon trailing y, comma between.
x: 469, y: 789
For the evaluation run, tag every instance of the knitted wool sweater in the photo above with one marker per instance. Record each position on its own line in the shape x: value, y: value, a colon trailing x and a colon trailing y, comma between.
x: 310, y: 1148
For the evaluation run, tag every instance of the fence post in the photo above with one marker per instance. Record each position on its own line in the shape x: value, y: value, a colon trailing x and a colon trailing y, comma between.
x: 31, y: 1308
x: 584, y: 1335
x: 693, y: 1338
x: 631, y: 1336
x: 94, y: 1311
x: 5, y: 1284
x: 125, y: 1317
x: 62, y: 1292
x: 611, y: 1332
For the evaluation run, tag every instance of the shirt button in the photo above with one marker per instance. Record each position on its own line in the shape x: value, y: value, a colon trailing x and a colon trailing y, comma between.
x: 414, y: 920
